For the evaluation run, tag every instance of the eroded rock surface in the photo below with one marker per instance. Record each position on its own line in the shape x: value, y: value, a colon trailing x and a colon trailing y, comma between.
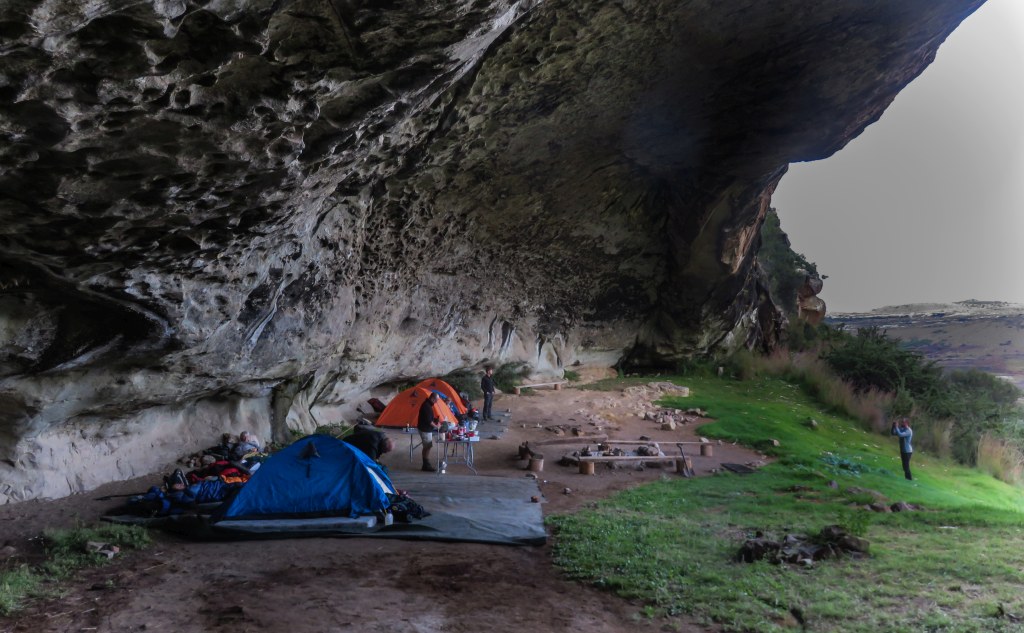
x: 285, y: 203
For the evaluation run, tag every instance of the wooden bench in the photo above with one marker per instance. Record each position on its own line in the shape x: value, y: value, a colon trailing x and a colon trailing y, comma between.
x: 705, y: 446
x: 681, y: 463
x: 556, y: 385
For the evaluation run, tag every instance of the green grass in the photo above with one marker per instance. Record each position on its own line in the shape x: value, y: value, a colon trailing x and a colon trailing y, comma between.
x: 15, y: 586
x: 66, y: 553
x: 955, y: 566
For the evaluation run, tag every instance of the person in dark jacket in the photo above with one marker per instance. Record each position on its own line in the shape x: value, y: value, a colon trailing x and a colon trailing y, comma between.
x: 427, y: 423
x: 487, y: 386
x: 370, y: 441
x: 904, y: 432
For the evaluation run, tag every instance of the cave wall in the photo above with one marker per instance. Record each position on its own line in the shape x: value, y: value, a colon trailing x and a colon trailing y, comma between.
x: 218, y: 199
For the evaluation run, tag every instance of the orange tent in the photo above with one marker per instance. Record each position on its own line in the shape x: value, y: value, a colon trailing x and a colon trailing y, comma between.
x: 446, y: 390
x: 404, y: 409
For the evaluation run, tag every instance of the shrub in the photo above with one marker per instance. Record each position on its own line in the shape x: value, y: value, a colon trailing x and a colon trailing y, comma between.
x: 902, y: 404
x: 933, y: 435
x: 693, y: 367
x: 570, y: 375
x: 510, y: 375
x: 466, y: 381
x: 801, y: 336
x: 871, y: 360
x: 981, y: 404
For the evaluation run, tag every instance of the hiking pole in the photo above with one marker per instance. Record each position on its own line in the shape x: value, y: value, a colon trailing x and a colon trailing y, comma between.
x: 687, y: 469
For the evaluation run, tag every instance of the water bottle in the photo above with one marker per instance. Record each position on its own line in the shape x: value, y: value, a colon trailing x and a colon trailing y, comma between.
x: 444, y: 467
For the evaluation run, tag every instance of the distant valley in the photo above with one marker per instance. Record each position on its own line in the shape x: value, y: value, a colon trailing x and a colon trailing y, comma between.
x: 986, y: 335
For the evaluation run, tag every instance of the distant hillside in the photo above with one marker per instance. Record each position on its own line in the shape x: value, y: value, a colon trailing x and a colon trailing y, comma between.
x: 986, y: 335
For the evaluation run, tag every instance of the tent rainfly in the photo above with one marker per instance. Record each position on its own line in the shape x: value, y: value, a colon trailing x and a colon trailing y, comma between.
x: 404, y: 409
x: 317, y: 476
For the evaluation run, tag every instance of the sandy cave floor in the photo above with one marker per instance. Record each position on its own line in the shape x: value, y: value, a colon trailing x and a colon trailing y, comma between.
x: 364, y: 584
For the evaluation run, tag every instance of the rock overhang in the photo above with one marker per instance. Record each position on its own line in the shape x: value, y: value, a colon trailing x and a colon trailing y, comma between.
x: 328, y: 194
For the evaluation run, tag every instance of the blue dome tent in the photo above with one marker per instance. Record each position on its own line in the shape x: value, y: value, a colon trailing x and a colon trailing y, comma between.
x: 317, y: 476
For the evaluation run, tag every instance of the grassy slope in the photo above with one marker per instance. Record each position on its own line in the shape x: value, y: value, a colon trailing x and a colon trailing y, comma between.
x: 957, y: 566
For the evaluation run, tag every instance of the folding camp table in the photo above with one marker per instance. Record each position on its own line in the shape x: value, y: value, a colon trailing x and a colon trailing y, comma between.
x: 458, y: 452
x: 414, y: 439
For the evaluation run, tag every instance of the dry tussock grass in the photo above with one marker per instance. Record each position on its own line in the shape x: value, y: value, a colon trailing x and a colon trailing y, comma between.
x: 811, y: 371
x: 1001, y: 459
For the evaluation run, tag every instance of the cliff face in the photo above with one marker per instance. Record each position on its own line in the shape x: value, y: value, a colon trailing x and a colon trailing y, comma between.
x: 230, y: 213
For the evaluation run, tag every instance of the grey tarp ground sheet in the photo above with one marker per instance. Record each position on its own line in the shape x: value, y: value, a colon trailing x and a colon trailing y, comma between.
x: 467, y: 508
x: 494, y: 429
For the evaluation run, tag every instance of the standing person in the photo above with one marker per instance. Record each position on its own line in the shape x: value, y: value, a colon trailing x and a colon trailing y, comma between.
x: 487, y: 385
x: 427, y: 423
x: 904, y: 432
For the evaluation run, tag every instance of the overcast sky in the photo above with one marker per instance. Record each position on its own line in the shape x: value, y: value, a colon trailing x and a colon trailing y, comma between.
x: 927, y: 205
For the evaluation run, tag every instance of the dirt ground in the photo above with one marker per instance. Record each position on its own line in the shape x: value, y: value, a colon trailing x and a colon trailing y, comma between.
x: 365, y: 584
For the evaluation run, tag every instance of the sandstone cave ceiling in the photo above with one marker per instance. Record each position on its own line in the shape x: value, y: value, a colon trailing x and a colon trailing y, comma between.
x: 199, y: 196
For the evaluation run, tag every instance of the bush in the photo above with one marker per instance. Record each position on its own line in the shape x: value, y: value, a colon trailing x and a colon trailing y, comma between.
x: 510, y: 375
x: 981, y: 404
x: 696, y: 367
x: 570, y: 375
x: 902, y: 404
x: 933, y: 435
x: 466, y: 381
x: 871, y: 360
x: 742, y: 365
x: 801, y: 336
